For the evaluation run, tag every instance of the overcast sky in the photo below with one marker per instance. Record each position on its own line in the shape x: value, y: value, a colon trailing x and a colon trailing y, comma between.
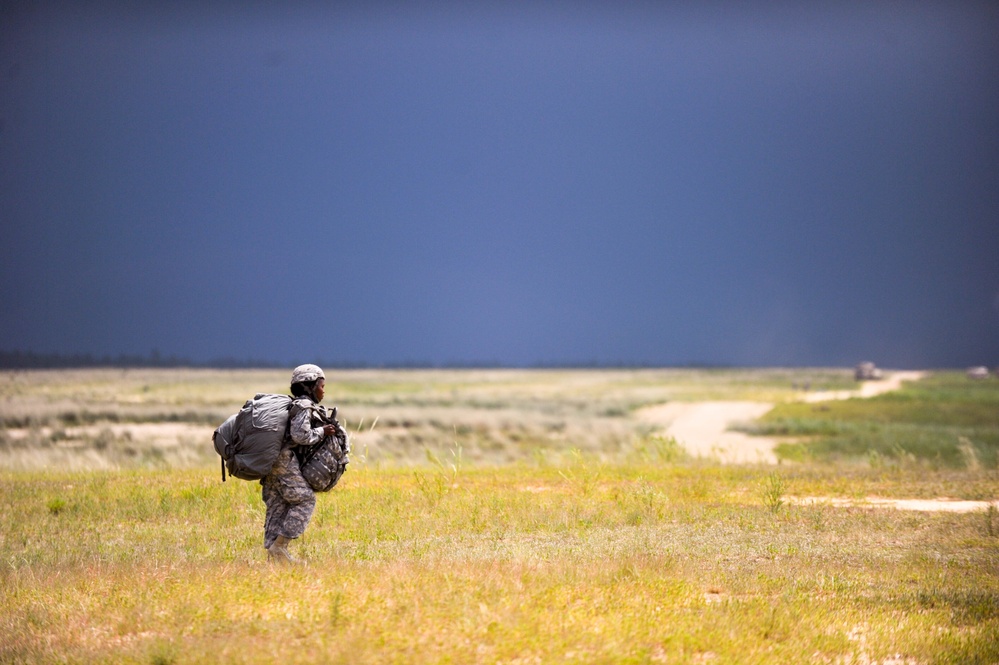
x: 663, y: 183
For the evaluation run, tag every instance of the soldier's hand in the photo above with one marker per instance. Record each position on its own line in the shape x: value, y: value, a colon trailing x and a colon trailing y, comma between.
x: 329, y: 430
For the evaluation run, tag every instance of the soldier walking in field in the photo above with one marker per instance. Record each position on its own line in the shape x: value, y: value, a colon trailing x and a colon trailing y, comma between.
x: 289, y: 499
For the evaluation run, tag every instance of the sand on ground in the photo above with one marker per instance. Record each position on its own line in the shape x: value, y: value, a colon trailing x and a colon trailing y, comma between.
x: 867, y: 388
x: 939, y: 505
x: 702, y: 428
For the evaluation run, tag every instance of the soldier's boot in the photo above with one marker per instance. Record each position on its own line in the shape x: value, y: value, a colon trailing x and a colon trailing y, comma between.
x: 278, y: 551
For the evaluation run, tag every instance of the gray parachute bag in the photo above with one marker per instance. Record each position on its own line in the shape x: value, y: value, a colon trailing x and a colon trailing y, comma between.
x: 250, y: 440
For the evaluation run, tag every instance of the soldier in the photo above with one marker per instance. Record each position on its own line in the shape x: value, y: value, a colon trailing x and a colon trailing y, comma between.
x: 289, y: 499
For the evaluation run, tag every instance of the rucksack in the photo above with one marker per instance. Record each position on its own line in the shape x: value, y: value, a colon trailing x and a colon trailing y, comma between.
x: 250, y: 440
x: 323, y: 464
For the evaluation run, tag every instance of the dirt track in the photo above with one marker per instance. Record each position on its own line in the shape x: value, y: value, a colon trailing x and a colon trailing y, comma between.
x: 703, y: 427
x: 941, y: 505
x: 867, y: 389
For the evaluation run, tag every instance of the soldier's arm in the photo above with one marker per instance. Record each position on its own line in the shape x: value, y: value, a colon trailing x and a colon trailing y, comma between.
x: 302, y: 431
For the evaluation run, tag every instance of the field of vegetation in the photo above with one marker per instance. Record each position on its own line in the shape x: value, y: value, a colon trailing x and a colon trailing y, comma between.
x: 944, y: 420
x: 500, y: 517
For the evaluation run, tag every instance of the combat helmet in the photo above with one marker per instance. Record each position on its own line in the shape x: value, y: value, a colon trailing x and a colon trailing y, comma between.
x: 306, y: 373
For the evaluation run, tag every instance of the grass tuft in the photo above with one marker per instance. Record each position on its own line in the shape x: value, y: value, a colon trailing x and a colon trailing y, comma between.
x: 772, y: 491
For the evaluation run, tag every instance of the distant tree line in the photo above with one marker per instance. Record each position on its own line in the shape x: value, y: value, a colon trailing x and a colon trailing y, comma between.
x: 33, y: 360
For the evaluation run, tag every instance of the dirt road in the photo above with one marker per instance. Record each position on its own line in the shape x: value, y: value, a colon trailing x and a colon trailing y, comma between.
x: 867, y: 388
x: 703, y: 427
x: 941, y: 505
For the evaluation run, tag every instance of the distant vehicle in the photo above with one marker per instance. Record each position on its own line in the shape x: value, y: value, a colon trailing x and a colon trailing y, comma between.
x: 867, y: 371
x: 978, y: 373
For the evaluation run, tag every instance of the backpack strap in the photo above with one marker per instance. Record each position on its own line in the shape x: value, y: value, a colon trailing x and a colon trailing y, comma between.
x: 287, y: 426
x: 221, y: 457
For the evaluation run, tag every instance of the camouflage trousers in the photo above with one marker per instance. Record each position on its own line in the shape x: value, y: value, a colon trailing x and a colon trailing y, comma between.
x: 289, y: 499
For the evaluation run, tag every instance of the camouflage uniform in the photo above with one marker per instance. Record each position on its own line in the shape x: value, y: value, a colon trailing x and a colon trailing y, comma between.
x: 289, y: 499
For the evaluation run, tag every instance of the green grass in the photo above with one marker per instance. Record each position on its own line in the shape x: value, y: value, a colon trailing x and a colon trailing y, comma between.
x: 680, y: 563
x: 944, y: 420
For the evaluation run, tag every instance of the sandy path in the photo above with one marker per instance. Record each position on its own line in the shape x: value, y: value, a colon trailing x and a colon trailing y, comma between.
x: 867, y: 389
x: 703, y: 427
x: 942, y: 504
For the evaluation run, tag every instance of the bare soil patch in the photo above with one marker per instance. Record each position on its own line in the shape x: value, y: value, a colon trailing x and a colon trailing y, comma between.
x: 703, y: 429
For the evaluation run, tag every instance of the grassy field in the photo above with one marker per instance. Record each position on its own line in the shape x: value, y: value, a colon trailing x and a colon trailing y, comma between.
x: 148, y: 418
x: 524, y: 519
x: 944, y: 420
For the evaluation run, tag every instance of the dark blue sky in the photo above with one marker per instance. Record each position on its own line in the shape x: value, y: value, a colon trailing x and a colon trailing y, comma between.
x: 771, y: 183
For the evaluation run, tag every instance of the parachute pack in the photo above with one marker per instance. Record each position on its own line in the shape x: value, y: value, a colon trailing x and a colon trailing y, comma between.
x: 250, y: 440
